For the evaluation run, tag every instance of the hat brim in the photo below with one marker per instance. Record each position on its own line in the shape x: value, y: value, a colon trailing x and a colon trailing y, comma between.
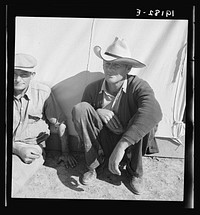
x: 25, y: 69
x: 124, y: 60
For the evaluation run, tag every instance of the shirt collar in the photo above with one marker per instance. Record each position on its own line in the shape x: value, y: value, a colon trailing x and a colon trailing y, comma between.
x: 27, y: 94
x: 103, y: 86
x: 124, y: 86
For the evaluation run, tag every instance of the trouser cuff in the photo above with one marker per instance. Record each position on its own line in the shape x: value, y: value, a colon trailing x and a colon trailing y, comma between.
x: 131, y: 172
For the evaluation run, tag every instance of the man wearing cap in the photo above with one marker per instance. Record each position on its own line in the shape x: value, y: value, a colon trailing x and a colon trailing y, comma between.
x: 35, y: 114
x: 117, y: 117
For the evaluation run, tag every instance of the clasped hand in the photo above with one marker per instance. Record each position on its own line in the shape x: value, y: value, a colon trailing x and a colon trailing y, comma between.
x: 117, y: 156
x: 29, y: 154
x: 110, y: 120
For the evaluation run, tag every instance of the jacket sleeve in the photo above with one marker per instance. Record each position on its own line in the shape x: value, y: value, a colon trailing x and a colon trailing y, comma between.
x: 148, y: 112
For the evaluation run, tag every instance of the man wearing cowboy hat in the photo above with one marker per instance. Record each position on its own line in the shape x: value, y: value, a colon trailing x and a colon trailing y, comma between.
x: 117, y: 117
x: 35, y: 114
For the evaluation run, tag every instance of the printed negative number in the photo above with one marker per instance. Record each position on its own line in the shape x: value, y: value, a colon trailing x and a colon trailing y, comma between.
x: 165, y: 13
x: 138, y: 12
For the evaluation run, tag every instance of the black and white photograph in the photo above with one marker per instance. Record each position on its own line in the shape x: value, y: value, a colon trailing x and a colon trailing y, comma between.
x: 99, y: 107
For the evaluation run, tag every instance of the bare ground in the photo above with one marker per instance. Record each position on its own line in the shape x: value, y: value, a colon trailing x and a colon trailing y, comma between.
x: 163, y: 180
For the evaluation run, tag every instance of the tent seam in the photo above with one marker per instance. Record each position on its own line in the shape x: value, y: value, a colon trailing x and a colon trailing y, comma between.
x: 90, y: 43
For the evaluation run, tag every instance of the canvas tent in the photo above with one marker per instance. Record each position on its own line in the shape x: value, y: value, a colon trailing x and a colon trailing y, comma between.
x: 67, y: 63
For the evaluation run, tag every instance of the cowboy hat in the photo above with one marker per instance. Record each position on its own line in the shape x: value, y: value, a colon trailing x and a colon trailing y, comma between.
x: 118, y: 52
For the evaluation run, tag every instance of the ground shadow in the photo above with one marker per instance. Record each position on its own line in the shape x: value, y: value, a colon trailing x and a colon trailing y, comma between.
x: 104, y: 174
x: 66, y: 175
x: 71, y: 177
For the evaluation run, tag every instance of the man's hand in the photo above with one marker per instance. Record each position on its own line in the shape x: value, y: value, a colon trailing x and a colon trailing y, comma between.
x: 29, y: 154
x: 117, y: 155
x: 111, y: 120
x: 68, y: 160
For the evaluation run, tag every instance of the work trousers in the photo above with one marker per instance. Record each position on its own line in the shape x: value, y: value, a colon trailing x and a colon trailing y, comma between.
x: 96, y: 137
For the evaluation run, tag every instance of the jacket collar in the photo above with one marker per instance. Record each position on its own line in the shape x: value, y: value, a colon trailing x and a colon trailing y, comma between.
x: 124, y: 86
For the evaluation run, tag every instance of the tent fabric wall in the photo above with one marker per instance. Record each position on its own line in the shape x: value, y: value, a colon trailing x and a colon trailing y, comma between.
x: 67, y: 63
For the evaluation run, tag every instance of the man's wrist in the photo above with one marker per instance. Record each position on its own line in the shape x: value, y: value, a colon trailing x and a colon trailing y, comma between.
x: 124, y: 143
x: 17, y: 146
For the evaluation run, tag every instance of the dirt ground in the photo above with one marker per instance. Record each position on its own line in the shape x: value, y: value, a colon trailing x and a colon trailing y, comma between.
x: 163, y: 180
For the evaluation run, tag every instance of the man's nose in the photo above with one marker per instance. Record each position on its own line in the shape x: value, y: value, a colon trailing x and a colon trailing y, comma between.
x: 17, y: 78
x: 110, y: 68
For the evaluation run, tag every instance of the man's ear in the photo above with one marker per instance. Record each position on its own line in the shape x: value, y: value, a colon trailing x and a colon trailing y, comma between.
x: 128, y: 68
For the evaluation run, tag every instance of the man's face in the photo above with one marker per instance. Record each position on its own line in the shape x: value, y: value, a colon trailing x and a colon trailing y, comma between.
x: 22, y: 79
x: 115, y: 72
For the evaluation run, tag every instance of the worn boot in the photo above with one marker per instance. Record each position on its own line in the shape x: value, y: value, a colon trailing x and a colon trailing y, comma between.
x: 137, y: 185
x: 89, y: 177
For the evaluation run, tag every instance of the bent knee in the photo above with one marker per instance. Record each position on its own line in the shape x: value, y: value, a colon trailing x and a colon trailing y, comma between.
x: 80, y: 109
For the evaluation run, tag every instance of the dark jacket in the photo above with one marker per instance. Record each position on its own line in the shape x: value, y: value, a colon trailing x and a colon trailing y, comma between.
x: 139, y: 111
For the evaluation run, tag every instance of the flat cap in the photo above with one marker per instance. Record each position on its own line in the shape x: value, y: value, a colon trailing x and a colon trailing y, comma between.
x: 25, y: 62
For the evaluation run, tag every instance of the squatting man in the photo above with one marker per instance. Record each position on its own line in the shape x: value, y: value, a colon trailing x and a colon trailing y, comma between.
x: 117, y: 117
x: 35, y: 114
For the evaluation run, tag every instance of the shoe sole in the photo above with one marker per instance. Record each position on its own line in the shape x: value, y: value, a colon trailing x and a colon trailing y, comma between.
x: 135, y: 191
x: 87, y: 183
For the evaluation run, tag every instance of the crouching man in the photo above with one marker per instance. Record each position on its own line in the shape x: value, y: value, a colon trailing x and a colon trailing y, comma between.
x: 34, y: 111
x: 117, y: 116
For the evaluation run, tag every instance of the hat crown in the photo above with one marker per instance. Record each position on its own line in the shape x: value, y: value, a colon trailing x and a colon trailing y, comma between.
x: 25, y: 61
x: 118, y: 48
x: 119, y: 52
